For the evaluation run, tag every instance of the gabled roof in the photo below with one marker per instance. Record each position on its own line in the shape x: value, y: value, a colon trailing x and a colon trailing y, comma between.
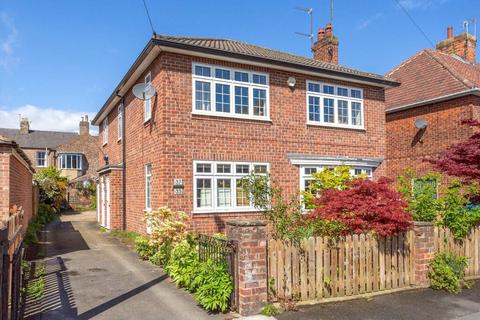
x: 37, y: 139
x: 232, y: 50
x: 430, y: 75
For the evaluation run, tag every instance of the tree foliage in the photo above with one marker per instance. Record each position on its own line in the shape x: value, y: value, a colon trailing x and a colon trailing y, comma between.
x: 52, y: 186
x: 167, y: 227
x: 366, y: 206
x: 462, y: 159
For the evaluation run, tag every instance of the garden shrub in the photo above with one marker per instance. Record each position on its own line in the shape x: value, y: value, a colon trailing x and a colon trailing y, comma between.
x: 447, y: 271
x: 455, y: 214
x: 364, y: 207
x: 270, y: 310
x: 167, y: 226
x: 420, y: 194
x: 183, y: 265
x: 45, y: 214
x: 52, y: 186
x: 143, y: 247
x: 161, y: 255
x: 214, y: 286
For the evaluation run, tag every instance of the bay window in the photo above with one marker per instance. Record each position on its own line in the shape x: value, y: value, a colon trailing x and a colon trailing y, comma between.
x: 231, y: 92
x: 218, y: 185
x: 334, y: 106
x: 71, y: 161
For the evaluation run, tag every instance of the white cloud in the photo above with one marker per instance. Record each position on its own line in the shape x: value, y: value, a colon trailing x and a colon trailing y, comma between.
x: 367, y: 22
x: 8, y: 41
x: 420, y: 4
x: 44, y: 118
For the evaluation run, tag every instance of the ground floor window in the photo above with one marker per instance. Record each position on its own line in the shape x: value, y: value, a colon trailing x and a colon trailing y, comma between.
x: 218, y: 188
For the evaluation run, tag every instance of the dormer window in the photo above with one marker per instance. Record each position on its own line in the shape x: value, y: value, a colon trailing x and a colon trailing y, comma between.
x: 334, y: 106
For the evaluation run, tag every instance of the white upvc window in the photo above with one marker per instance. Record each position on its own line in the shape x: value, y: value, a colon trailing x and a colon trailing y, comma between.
x: 227, y: 92
x: 306, y: 172
x: 42, y: 159
x: 147, y: 104
x: 218, y: 187
x: 71, y: 161
x: 148, y: 187
x: 334, y: 105
x: 120, y: 121
x: 105, y: 130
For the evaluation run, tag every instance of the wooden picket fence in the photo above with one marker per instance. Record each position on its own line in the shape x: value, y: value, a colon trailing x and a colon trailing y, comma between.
x: 354, y: 265
x: 468, y: 247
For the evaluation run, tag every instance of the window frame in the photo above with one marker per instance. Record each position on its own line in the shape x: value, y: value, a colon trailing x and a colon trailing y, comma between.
x: 214, y: 176
x: 64, y: 166
x: 120, y: 121
x: 147, y: 101
x: 321, y: 95
x: 45, y: 159
x: 148, y: 186
x: 232, y: 83
x: 105, y: 130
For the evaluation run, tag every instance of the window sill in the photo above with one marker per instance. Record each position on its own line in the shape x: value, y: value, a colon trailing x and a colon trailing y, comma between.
x: 224, y: 211
x: 337, y: 126
x: 145, y: 122
x: 104, y: 144
x: 230, y: 116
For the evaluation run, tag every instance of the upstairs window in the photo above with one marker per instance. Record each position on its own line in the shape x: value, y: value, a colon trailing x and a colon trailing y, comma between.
x: 41, y: 158
x: 120, y: 122
x: 221, y: 91
x: 147, y: 104
x: 71, y: 161
x: 105, y: 130
x: 334, y: 106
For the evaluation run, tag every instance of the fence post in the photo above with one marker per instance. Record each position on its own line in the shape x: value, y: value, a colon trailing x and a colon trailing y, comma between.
x: 424, y: 251
x: 251, y: 238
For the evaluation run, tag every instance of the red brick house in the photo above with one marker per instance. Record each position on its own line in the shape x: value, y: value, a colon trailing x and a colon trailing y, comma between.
x: 439, y: 86
x: 223, y: 109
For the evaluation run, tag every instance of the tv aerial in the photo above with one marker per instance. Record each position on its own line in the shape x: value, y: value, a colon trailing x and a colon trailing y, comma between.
x: 308, y: 11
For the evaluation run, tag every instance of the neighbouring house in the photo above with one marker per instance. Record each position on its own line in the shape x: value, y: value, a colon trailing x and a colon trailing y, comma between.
x: 223, y: 109
x: 439, y: 88
x: 16, y: 186
x: 74, y: 154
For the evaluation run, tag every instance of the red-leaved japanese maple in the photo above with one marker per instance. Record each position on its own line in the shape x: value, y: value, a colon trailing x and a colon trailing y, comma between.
x: 462, y: 159
x: 365, y: 206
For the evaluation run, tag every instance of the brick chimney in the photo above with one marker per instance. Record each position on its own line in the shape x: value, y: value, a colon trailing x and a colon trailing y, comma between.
x: 24, y: 126
x: 464, y: 45
x: 326, y: 47
x: 84, y: 126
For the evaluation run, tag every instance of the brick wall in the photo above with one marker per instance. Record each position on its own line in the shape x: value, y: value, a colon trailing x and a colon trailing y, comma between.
x: 173, y: 138
x: 15, y: 181
x: 407, y: 147
x: 88, y: 146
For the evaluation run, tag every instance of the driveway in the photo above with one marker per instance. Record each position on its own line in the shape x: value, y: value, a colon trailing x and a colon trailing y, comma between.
x: 90, y: 275
x: 424, y: 304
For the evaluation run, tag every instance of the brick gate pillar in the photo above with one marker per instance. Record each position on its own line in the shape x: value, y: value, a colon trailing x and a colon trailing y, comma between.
x: 424, y: 251
x: 251, y: 237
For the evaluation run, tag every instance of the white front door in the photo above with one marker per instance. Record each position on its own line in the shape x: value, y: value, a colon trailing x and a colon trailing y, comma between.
x: 102, y: 187
x: 107, y: 225
x: 99, y: 207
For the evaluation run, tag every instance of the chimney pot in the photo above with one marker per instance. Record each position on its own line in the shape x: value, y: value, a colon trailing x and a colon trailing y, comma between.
x: 328, y: 29
x: 321, y: 33
x: 326, y: 47
x: 84, y: 127
x: 450, y: 32
x: 24, y: 126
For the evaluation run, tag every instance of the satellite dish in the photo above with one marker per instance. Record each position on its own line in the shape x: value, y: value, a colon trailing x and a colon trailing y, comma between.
x: 143, y: 91
x: 421, y: 124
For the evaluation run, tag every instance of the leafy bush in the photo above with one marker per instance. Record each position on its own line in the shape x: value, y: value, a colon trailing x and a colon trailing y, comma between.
x: 335, y: 178
x: 366, y: 206
x: 420, y: 194
x: 455, y: 213
x: 270, y: 310
x: 214, y: 286
x: 52, y: 186
x: 161, y: 256
x: 167, y: 226
x: 31, y: 235
x: 183, y: 265
x: 143, y: 247
x: 447, y: 271
x: 46, y: 213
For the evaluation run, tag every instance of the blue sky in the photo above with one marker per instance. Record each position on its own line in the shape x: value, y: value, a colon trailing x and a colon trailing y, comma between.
x: 62, y: 59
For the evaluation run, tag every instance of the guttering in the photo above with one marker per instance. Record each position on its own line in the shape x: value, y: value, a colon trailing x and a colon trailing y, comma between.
x: 158, y: 45
x: 301, y: 159
x: 473, y: 91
